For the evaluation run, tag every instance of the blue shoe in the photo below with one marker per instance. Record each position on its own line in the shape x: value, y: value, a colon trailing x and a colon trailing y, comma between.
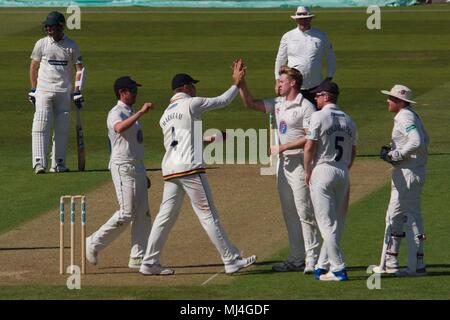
x: 335, y: 276
x: 318, y: 272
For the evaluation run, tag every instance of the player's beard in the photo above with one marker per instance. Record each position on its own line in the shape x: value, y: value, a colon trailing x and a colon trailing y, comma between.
x: 56, y: 33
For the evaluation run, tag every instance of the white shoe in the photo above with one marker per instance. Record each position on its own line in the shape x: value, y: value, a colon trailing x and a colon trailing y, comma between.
x: 155, y: 269
x: 135, y: 263
x: 408, y: 273
x: 334, y: 276
x: 39, y: 169
x: 239, y: 263
x: 309, y: 269
x: 388, y: 270
x: 59, y: 168
x: 91, y: 254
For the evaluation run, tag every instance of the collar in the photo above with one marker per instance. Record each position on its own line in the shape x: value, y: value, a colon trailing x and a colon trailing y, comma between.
x: 293, y: 103
x: 299, y: 98
x: 122, y: 104
x: 407, y: 108
x: 331, y: 106
x: 307, y: 32
x: 53, y: 40
x: 178, y: 96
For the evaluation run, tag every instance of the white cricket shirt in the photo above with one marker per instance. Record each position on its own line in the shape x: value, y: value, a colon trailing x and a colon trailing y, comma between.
x: 335, y: 133
x: 126, y: 147
x: 57, y: 60
x: 410, y: 138
x: 292, y: 118
x: 184, y: 146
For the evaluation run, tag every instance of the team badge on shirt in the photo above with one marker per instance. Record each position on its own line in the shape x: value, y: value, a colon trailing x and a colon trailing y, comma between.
x: 283, y: 127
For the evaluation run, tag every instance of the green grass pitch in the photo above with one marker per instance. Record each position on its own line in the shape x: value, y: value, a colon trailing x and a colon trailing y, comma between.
x: 413, y: 47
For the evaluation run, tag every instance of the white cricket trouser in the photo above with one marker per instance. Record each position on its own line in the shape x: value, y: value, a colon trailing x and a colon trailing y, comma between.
x: 197, y: 188
x: 329, y: 187
x: 52, y: 108
x: 130, y: 181
x: 404, y: 208
x: 297, y: 211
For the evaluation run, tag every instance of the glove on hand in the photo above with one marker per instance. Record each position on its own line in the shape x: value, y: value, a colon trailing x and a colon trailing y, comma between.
x: 384, y: 152
x: 78, y: 99
x: 149, y: 183
x: 32, y: 96
x: 391, y: 156
x: 395, y: 156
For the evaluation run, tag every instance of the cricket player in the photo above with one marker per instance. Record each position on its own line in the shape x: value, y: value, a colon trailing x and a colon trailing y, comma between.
x: 304, y: 48
x: 129, y: 176
x: 329, y: 153
x: 184, y: 173
x: 408, y: 153
x: 51, y: 73
x: 292, y: 114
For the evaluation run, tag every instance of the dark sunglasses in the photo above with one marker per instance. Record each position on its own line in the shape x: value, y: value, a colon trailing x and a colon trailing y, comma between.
x: 393, y: 99
x: 133, y: 90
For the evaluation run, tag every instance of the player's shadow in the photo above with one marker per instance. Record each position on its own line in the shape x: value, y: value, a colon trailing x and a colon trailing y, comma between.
x: 107, y: 170
x: 30, y: 248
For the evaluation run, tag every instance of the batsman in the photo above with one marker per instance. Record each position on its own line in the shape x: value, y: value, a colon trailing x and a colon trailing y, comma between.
x: 53, y: 61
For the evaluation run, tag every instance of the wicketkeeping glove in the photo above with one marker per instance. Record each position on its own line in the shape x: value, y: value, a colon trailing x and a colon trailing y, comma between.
x: 391, y: 156
x: 395, y: 156
x: 78, y: 99
x: 384, y: 152
x: 32, y: 96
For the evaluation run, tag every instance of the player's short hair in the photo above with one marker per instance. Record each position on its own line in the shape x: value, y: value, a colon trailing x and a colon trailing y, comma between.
x: 293, y: 74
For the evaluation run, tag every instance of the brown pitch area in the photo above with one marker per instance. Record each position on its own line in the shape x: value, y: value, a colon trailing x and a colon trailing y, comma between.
x: 249, y: 210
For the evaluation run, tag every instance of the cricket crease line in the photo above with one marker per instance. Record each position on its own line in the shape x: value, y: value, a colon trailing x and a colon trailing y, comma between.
x: 212, y: 277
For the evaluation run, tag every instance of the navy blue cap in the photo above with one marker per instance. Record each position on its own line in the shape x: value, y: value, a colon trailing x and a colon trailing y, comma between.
x: 125, y: 82
x: 181, y: 79
x: 327, y: 86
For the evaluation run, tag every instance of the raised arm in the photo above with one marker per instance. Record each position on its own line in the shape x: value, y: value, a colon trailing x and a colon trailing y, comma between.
x: 121, y: 126
x: 200, y: 105
x: 248, y: 100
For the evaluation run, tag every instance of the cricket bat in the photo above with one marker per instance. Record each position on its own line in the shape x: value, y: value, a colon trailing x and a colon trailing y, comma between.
x: 80, y: 142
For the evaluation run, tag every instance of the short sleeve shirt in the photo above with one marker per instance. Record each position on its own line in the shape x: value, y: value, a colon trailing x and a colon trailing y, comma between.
x: 292, y: 119
x: 126, y: 146
x: 57, y: 60
x: 335, y: 133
